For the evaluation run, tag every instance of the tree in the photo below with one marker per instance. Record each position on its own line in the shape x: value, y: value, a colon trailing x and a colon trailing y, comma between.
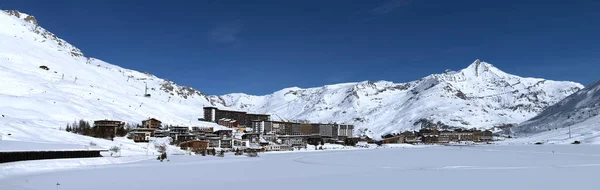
x: 221, y: 153
x: 121, y: 131
x: 114, y: 149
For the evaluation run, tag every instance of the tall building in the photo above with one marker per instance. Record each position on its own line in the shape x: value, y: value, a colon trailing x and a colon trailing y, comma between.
x: 213, y: 114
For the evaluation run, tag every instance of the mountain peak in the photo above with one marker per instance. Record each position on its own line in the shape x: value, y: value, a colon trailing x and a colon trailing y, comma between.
x: 28, y: 18
x: 479, y: 68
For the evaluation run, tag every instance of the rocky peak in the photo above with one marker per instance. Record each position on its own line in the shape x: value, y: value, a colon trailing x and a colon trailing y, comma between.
x: 482, y: 70
x: 46, y: 35
x: 26, y: 17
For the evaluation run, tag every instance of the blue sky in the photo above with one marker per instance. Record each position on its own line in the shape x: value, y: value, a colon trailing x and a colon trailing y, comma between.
x: 257, y: 47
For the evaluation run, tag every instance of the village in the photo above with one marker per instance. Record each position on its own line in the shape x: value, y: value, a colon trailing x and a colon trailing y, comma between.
x: 257, y: 133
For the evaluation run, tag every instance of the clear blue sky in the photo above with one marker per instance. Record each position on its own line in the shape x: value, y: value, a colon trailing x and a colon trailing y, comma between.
x: 257, y: 47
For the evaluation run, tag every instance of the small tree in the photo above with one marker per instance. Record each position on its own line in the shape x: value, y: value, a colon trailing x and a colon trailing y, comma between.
x: 221, y: 153
x: 115, y: 150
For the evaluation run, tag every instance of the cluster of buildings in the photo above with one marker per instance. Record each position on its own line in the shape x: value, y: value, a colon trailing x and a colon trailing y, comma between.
x: 257, y: 131
x: 278, y: 135
x: 242, y: 130
x: 435, y: 136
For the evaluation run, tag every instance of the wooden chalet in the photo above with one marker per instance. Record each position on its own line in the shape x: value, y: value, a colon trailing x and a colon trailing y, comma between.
x: 107, y: 129
x: 196, y: 146
x: 394, y: 140
x: 142, y: 134
x: 152, y: 123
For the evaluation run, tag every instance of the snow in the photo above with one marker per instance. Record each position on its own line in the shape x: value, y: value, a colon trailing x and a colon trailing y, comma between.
x: 550, y: 167
x: 38, y: 104
x: 491, y: 98
x: 16, y: 146
x: 575, y: 118
x: 12, y: 169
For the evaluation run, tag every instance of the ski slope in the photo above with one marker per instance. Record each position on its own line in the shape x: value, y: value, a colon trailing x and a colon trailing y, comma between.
x: 37, y: 104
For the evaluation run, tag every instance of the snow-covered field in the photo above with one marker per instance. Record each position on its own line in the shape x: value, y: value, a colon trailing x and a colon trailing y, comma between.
x: 546, y: 167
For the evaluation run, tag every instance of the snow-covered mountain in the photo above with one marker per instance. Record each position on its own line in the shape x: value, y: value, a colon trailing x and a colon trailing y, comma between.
x: 580, y: 112
x: 479, y: 96
x: 36, y: 101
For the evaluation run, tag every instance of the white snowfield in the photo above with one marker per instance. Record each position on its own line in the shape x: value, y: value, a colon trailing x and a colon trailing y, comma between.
x: 548, y: 167
x: 37, y: 104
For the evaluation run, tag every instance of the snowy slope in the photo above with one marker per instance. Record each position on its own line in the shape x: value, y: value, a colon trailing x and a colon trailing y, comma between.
x: 79, y: 87
x: 581, y: 111
x: 479, y: 96
x: 37, y: 102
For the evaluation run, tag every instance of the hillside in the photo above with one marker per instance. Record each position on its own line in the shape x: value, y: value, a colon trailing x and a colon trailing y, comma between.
x: 580, y: 112
x: 36, y: 103
x: 80, y: 87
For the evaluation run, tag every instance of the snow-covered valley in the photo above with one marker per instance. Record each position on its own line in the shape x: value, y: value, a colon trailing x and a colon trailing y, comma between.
x: 550, y: 167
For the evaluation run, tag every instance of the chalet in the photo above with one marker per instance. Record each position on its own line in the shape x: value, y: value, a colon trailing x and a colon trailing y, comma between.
x: 278, y: 147
x: 214, y: 142
x: 142, y: 134
x: 183, y: 137
x: 269, y: 137
x: 241, y: 142
x: 426, y: 131
x: 410, y: 137
x: 394, y: 140
x: 294, y: 141
x: 226, y: 143
x: 107, y: 129
x: 230, y: 123
x: 202, y: 129
x: 429, y: 139
x: 223, y: 133
x: 457, y: 135
x: 179, y: 130
x: 443, y: 139
x: 252, y: 137
x: 161, y: 133
x: 196, y: 146
x: 483, y: 136
x: 152, y: 123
